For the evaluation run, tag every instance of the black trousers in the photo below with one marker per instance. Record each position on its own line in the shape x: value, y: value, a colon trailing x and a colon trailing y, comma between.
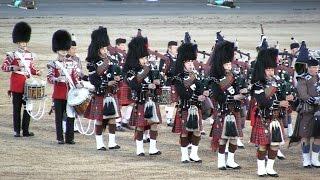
x: 60, y: 110
x: 17, y: 102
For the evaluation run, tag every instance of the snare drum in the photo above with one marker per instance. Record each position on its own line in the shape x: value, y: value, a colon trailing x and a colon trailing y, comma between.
x: 34, y: 89
x: 79, y: 99
x: 165, y: 97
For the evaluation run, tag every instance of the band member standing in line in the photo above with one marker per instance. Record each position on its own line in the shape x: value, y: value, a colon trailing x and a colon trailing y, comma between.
x: 63, y: 74
x: 103, y: 106
x: 190, y: 95
x: 19, y: 73
x: 146, y: 114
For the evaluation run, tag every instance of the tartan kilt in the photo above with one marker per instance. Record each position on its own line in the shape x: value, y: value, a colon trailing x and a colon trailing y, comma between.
x: 124, y: 94
x: 217, y: 129
x: 137, y: 117
x: 95, y: 108
x: 180, y: 120
x: 258, y: 135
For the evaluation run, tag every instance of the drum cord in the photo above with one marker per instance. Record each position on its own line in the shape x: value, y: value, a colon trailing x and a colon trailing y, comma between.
x: 81, y: 130
x: 40, y: 112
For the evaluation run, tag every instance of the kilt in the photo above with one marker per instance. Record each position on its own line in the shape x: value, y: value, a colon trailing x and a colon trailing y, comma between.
x: 217, y: 128
x: 180, y: 121
x: 95, y: 108
x: 137, y: 117
x: 258, y: 133
x: 124, y: 94
x: 305, y: 128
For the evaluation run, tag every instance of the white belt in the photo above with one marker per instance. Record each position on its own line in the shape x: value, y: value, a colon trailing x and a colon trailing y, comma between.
x: 21, y: 73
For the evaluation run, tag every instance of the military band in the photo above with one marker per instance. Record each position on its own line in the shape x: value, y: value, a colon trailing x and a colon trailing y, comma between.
x: 129, y: 87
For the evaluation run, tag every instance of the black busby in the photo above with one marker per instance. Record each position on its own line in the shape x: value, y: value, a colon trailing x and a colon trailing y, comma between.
x: 186, y: 52
x: 138, y: 47
x: 21, y: 32
x: 100, y: 38
x: 61, y: 40
x: 267, y: 58
x: 120, y: 41
x: 223, y: 53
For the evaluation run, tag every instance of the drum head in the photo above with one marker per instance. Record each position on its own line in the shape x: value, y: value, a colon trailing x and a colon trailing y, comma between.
x: 77, y: 96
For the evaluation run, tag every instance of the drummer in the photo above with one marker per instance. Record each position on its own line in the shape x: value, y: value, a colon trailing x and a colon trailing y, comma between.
x: 12, y: 63
x: 63, y: 74
x: 168, y: 68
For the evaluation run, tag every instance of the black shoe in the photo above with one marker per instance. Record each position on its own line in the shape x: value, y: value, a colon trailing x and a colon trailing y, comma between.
x: 60, y: 142
x: 185, y: 162
x: 315, y: 166
x: 265, y: 175
x: 229, y: 167
x: 308, y: 167
x: 146, y: 140
x: 70, y: 142
x: 281, y: 157
x: 127, y: 126
x: 222, y: 168
x: 141, y: 154
x: 155, y: 154
x: 28, y: 134
x: 102, y: 149
x: 241, y: 147
x: 199, y: 161
x: 17, y: 135
x: 120, y: 129
x: 273, y: 175
x: 170, y: 124
x: 115, y: 147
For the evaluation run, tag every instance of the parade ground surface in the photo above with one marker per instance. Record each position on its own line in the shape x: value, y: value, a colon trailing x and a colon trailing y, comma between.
x: 40, y: 157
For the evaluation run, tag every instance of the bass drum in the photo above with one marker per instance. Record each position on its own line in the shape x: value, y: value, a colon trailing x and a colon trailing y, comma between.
x: 79, y: 99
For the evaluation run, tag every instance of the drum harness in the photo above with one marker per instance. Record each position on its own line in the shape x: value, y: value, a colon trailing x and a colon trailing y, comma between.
x: 29, y: 104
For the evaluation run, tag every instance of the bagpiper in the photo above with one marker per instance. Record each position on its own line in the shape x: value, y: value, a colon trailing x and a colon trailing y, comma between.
x: 144, y: 87
x: 190, y: 95
x: 267, y: 111
x: 103, y: 106
x: 228, y: 92
x: 308, y: 123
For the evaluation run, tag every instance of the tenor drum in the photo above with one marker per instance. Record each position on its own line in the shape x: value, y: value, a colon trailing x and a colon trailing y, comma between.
x: 34, y: 89
x: 165, y: 97
x: 79, y: 99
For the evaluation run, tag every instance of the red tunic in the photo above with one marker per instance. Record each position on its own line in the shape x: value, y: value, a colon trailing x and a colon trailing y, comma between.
x: 60, y: 89
x: 17, y: 79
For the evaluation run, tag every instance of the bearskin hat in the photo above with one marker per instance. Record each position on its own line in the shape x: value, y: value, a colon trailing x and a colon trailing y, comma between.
x: 186, y: 52
x: 21, y: 32
x: 73, y: 40
x: 267, y: 58
x: 61, y: 40
x: 120, y: 41
x: 223, y: 53
x: 138, y: 47
x: 100, y: 38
